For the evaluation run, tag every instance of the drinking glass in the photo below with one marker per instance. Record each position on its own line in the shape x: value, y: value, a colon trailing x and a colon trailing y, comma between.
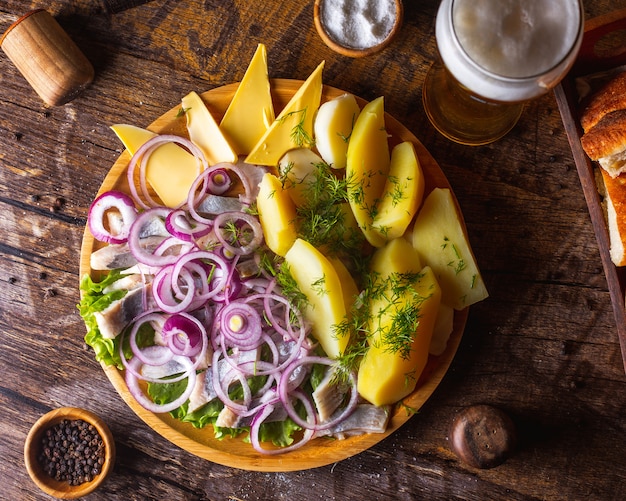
x: 494, y: 56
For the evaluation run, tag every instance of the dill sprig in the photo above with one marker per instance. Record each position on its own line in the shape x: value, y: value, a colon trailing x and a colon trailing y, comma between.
x: 397, y: 193
x: 324, y: 219
x: 181, y: 112
x: 238, y: 234
x: 387, y: 313
x: 299, y: 135
x: 356, y: 189
x: 289, y: 287
x: 344, y: 138
x: 458, y: 263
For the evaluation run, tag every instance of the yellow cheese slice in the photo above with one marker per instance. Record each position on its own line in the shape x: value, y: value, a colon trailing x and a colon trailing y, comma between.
x: 204, y: 131
x: 294, y: 126
x: 251, y: 112
x: 170, y: 171
x: 132, y: 137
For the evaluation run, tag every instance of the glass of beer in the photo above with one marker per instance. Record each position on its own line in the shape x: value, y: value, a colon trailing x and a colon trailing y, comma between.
x: 495, y: 55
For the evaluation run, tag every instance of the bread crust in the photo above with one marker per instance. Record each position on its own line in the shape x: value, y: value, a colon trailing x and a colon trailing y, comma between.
x: 609, y: 98
x: 607, y: 137
x: 616, y: 199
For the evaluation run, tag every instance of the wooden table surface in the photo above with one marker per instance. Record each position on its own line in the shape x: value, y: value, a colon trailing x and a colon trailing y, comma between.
x: 543, y: 347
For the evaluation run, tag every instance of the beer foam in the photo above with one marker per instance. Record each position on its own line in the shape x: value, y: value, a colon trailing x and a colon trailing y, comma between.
x: 516, y: 38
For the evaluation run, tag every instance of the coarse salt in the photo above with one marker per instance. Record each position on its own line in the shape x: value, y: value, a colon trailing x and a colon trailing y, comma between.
x: 358, y: 24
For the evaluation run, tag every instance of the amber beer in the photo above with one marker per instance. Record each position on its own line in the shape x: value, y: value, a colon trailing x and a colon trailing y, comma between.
x: 494, y: 56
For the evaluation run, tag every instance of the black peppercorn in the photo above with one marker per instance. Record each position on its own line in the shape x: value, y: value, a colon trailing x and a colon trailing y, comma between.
x: 72, y: 451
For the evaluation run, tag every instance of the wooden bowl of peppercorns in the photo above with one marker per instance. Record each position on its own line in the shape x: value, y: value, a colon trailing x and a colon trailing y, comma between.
x: 69, y: 452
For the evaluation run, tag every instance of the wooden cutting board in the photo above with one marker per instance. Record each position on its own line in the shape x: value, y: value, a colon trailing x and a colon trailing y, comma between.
x: 235, y: 452
x: 602, y: 50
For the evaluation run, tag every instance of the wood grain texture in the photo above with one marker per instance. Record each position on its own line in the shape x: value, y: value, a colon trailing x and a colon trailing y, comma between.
x: 591, y: 61
x: 543, y: 347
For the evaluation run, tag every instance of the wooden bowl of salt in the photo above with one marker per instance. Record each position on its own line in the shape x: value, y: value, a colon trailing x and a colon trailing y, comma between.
x: 357, y: 29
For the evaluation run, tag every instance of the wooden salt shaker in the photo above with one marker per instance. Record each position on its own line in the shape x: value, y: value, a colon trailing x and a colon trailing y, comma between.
x: 482, y: 436
x: 47, y: 57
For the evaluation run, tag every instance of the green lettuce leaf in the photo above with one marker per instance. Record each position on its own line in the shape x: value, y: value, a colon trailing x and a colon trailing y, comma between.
x: 95, y: 300
x: 280, y: 433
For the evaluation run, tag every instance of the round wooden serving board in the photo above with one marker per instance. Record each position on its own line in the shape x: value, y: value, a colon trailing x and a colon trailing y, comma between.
x: 235, y: 452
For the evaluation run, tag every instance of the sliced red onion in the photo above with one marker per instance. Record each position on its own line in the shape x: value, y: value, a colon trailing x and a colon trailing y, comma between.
x: 260, y: 417
x: 111, y: 200
x: 132, y: 381
x: 218, y: 181
x: 227, y: 222
x: 169, y: 297
x: 200, y: 187
x: 140, y: 160
x: 199, y: 190
x: 141, y: 254
x: 173, y: 298
x: 221, y: 386
x: 291, y: 316
x: 231, y: 289
x: 285, y: 393
x: 240, y: 326
x: 152, y: 355
x: 179, y: 226
x: 172, y: 247
x: 184, y: 334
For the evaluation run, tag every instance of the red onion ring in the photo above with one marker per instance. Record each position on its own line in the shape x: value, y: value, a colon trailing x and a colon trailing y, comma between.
x: 140, y: 160
x: 218, y: 181
x: 107, y: 201
x: 221, y: 387
x: 264, y: 414
x: 285, y: 393
x: 164, y: 292
x: 180, y: 227
x: 220, y: 222
x: 132, y: 382
x: 184, y: 334
x: 199, y: 188
x: 142, y: 255
x: 247, y: 336
x: 173, y: 299
x: 150, y: 355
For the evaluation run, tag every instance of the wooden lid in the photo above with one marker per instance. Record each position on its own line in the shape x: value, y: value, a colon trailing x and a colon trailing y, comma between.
x: 18, y: 21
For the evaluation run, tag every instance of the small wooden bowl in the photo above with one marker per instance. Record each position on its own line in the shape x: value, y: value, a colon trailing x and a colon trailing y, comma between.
x: 351, y: 51
x: 32, y: 448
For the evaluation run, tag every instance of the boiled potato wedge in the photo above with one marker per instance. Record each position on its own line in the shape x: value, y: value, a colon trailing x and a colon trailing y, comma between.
x: 444, y: 325
x: 297, y: 169
x: 402, y: 317
x: 402, y: 194
x: 277, y: 214
x: 442, y: 244
x: 318, y: 280
x: 367, y: 166
x: 333, y: 128
x: 348, y: 285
